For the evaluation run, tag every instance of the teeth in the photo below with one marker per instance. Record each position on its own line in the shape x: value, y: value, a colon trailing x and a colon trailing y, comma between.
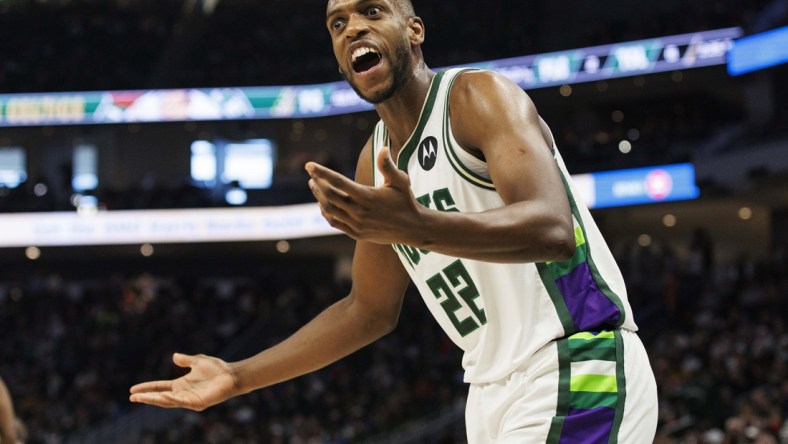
x: 360, y: 52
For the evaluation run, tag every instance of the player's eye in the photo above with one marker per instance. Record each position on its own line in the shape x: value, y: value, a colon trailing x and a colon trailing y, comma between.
x: 337, y: 24
x: 374, y: 11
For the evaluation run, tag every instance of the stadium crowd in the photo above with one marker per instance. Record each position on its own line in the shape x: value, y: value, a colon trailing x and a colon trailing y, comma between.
x: 73, y: 344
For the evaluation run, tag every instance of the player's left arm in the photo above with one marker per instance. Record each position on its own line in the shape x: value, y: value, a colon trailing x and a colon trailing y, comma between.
x: 494, y: 118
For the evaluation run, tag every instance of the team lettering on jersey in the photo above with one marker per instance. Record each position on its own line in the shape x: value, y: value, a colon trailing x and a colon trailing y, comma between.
x: 442, y: 201
x: 453, y: 284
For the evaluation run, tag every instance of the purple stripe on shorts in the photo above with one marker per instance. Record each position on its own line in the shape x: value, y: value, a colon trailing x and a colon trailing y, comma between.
x: 587, y: 305
x: 588, y: 426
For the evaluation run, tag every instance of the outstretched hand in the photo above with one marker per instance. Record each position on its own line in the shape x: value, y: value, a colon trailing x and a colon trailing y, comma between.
x: 385, y: 215
x: 209, y: 382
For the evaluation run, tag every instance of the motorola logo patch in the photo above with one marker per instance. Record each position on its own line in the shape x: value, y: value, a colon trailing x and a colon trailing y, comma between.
x: 428, y: 153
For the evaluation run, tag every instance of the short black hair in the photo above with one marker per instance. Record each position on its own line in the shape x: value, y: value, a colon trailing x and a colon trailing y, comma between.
x: 406, y: 6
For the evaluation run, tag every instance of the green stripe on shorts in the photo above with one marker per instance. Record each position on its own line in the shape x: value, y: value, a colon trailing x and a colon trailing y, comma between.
x: 593, y: 354
x: 590, y: 400
x: 591, y: 382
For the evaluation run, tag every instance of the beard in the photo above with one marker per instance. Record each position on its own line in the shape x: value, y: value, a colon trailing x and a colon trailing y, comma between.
x: 401, y: 67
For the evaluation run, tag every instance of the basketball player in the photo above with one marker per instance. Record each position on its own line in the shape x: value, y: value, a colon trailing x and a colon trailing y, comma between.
x: 461, y: 189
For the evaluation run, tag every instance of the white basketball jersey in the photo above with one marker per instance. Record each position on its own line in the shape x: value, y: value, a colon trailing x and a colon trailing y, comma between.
x: 499, y: 314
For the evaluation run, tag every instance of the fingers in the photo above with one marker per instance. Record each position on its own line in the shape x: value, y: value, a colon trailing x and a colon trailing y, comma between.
x: 327, y: 194
x: 325, y: 177
x: 385, y: 162
x: 182, y: 360
x: 151, y: 386
x: 391, y: 174
x: 338, y: 218
x: 339, y: 197
x: 166, y: 400
x: 158, y: 393
x: 328, y: 185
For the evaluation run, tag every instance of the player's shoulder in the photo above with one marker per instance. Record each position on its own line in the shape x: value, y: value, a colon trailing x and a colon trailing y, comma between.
x: 482, y: 102
x: 473, y: 85
x: 484, y: 93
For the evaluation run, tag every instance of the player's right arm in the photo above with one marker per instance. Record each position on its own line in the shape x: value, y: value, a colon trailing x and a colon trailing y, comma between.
x: 370, y: 311
x: 7, y: 418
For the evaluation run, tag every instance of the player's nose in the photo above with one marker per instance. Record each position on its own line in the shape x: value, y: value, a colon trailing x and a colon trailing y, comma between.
x: 357, y: 26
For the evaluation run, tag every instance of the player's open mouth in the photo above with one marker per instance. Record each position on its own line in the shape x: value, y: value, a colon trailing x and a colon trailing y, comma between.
x: 364, y: 59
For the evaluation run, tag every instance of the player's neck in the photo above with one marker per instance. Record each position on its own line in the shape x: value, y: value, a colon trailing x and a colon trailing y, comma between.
x: 401, y: 112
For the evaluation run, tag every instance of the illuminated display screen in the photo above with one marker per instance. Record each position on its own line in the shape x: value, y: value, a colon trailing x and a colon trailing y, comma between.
x: 85, y: 161
x: 759, y: 51
x: 598, y: 190
x: 639, y: 186
x: 250, y: 163
x: 13, y: 169
x: 686, y: 51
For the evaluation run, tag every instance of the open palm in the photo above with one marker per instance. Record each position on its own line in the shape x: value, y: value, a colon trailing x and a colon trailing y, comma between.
x: 209, y: 382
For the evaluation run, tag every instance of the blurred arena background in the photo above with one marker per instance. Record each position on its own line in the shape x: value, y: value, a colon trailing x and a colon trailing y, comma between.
x: 154, y: 200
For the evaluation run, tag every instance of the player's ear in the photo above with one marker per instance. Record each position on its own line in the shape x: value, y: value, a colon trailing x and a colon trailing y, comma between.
x: 415, y: 31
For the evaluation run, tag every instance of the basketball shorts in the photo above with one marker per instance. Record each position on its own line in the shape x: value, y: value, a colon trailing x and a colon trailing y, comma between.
x: 589, y: 388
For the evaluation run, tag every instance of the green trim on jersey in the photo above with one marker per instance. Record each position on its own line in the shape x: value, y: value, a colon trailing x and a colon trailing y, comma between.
x: 561, y: 269
x: 600, y: 281
x: 454, y: 160
x: 558, y: 299
x: 380, y: 139
x: 462, y: 170
x: 605, y: 289
x: 404, y: 155
x: 622, y: 388
x: 564, y: 380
